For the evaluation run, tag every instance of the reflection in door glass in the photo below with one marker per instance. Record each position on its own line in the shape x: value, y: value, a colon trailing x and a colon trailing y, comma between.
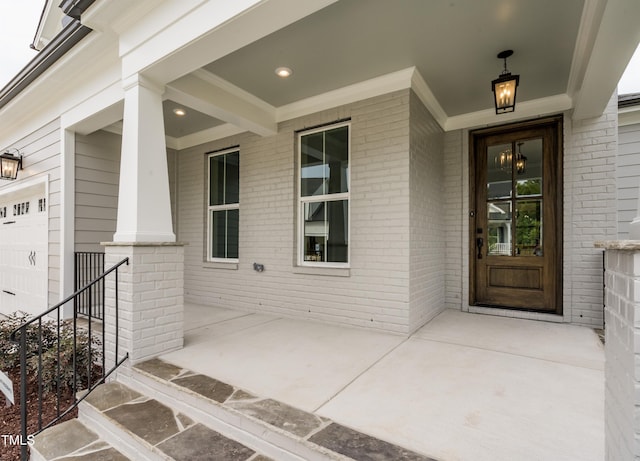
x: 528, y: 159
x: 529, y: 227
x: 499, y: 171
x: 499, y: 228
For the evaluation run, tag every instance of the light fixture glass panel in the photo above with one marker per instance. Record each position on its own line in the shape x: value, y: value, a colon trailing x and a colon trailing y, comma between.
x: 505, y: 95
x: 9, y: 167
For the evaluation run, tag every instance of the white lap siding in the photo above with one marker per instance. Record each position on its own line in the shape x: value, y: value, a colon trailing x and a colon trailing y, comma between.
x: 97, y: 176
x: 41, y: 165
x: 628, y: 171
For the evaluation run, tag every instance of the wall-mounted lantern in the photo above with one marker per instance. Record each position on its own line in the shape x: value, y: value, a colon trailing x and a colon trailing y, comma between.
x: 10, y: 164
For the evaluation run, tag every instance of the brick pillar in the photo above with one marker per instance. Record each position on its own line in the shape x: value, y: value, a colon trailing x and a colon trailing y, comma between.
x: 151, y: 303
x: 622, y: 349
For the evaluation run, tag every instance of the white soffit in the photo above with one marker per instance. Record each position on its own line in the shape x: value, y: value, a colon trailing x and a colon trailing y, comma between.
x: 616, y: 41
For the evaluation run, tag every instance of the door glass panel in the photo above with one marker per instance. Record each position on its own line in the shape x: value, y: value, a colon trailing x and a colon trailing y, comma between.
x: 529, y: 227
x: 499, y: 228
x: 528, y: 167
x: 499, y: 171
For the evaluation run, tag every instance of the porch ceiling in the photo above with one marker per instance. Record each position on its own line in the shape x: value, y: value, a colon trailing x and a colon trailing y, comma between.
x: 453, y: 44
x: 560, y: 49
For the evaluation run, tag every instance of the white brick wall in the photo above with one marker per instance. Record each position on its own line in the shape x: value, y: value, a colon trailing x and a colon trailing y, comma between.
x: 454, y: 217
x: 622, y: 353
x: 589, y: 211
x: 151, y: 301
x: 427, y: 217
x: 389, y: 184
x: 374, y: 292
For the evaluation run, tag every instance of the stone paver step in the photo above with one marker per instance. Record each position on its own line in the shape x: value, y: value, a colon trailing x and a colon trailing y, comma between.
x: 320, y: 435
x: 73, y: 441
x: 169, y: 433
x: 163, y: 412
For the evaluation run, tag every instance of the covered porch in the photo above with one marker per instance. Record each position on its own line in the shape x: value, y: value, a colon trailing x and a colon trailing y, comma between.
x: 465, y: 386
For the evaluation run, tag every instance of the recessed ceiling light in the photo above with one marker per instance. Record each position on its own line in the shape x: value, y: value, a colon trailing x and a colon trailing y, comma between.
x: 179, y: 112
x: 283, y: 72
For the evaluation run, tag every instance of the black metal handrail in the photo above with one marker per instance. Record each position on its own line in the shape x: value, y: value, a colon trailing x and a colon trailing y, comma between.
x: 89, y: 265
x: 22, y: 332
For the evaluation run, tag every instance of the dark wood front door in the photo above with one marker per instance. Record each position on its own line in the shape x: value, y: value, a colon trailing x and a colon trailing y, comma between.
x: 516, y: 217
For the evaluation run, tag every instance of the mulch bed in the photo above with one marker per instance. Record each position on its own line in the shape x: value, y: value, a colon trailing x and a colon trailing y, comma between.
x: 10, y: 417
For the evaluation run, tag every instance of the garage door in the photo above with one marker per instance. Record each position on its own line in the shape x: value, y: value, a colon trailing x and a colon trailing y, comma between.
x: 24, y: 250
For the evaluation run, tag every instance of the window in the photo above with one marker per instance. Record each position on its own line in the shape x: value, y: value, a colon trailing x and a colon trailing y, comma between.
x: 324, y: 196
x: 223, y: 206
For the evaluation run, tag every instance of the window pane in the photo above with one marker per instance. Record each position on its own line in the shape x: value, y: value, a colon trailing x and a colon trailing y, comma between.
x: 529, y: 168
x: 337, y: 159
x: 316, y: 231
x: 314, y: 172
x: 338, y: 243
x: 499, y: 228
x: 216, y: 180
x: 326, y: 231
x: 232, y: 233
x: 218, y: 233
x: 224, y: 233
x: 232, y: 178
x: 529, y: 227
x: 499, y: 159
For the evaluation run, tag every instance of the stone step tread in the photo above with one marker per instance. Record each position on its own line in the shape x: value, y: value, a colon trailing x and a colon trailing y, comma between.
x: 173, y: 434
x: 307, y: 427
x: 73, y: 441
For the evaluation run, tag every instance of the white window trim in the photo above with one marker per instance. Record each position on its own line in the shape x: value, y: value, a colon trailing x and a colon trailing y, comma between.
x: 210, y: 208
x: 322, y: 198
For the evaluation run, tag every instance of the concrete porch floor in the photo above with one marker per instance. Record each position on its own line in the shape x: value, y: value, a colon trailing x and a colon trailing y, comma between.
x: 463, y: 387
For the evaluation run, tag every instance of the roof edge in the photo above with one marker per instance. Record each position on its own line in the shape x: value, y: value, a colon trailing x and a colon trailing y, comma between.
x: 628, y: 100
x: 50, y: 54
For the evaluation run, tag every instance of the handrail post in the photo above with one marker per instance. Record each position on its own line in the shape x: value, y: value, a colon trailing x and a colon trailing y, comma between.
x: 24, y: 355
x: 23, y: 392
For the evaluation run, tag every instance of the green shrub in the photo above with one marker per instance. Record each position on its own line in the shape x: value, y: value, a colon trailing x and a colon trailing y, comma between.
x: 54, y: 346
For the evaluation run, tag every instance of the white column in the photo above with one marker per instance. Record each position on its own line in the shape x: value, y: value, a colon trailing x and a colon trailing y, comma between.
x: 144, y: 204
x: 67, y: 216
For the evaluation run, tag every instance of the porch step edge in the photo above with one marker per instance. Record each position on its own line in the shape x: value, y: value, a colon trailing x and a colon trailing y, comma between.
x: 71, y: 439
x: 148, y: 430
x: 255, y: 433
x: 264, y: 424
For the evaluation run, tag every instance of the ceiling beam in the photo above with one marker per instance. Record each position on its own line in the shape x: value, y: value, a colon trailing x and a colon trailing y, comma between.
x: 217, y: 98
x: 213, y: 29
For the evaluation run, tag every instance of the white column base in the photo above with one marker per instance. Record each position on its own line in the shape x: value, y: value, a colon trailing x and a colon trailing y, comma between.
x: 150, y: 300
x: 622, y: 350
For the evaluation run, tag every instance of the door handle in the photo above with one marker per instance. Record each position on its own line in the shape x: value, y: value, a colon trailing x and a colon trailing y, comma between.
x: 479, y: 244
